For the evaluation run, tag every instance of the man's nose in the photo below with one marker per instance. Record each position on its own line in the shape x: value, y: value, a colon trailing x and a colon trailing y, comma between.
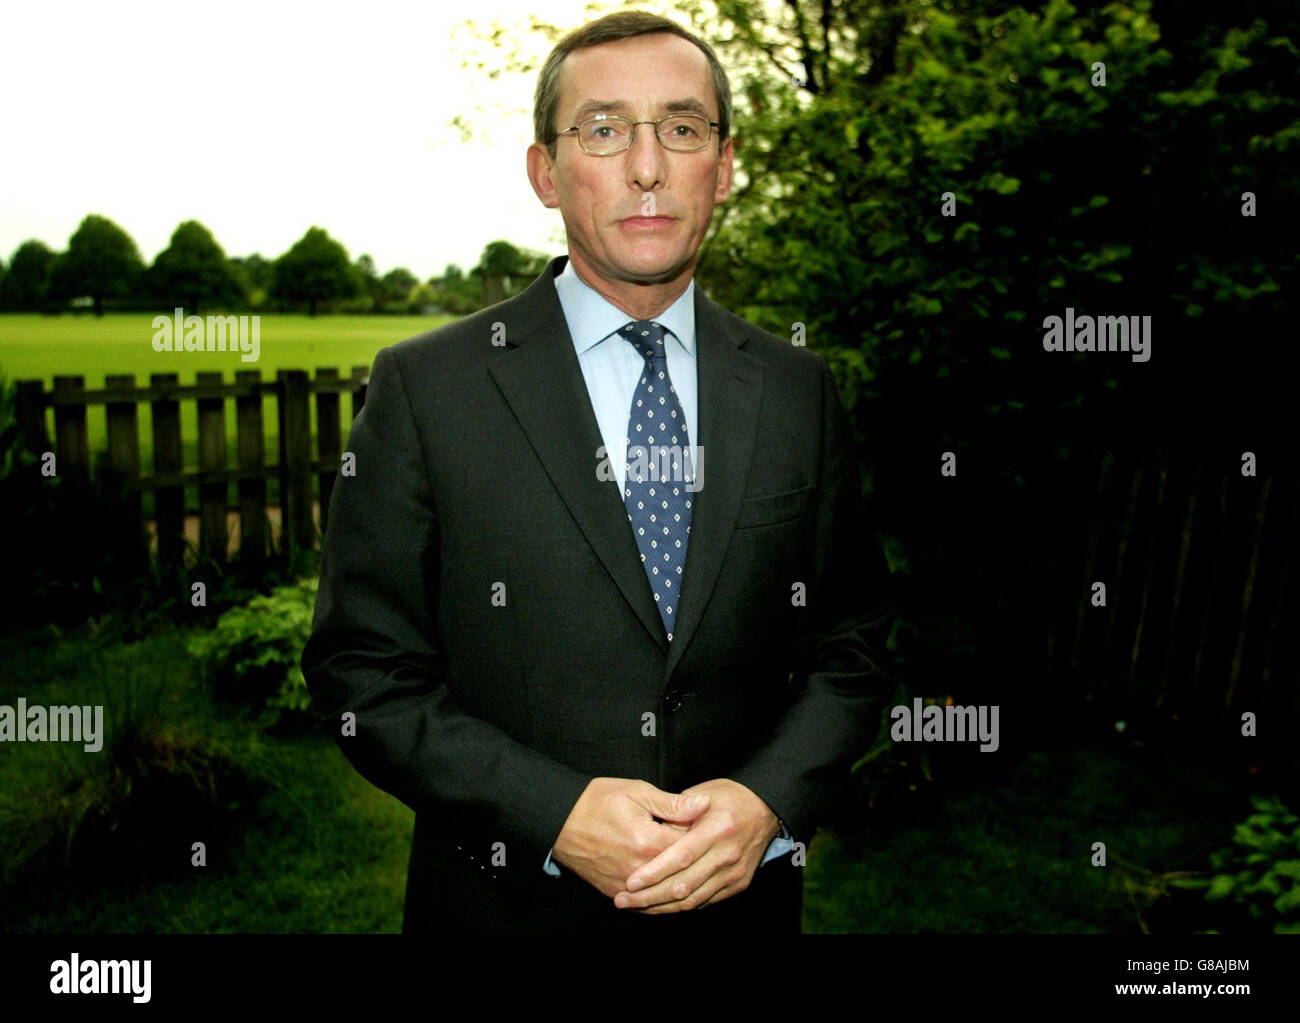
x: 645, y: 161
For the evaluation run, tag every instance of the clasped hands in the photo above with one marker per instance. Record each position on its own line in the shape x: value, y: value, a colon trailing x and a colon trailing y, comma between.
x: 663, y: 852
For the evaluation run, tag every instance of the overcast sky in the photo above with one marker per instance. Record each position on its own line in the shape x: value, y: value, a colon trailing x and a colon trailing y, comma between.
x: 261, y: 119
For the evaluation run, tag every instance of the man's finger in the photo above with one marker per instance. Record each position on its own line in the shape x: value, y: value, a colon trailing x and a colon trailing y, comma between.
x: 672, y: 806
x: 725, y: 892
x: 699, y: 890
x: 651, y: 882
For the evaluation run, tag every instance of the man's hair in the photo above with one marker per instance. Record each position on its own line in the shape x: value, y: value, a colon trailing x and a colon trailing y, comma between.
x: 619, y: 25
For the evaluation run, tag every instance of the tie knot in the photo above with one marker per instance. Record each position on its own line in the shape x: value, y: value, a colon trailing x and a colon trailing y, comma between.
x: 646, y: 336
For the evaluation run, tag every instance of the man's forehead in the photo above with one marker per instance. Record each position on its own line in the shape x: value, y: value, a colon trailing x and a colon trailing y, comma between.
x: 684, y: 105
x: 597, y: 78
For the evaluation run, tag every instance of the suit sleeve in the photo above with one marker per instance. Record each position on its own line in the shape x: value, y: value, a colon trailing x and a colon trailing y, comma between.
x: 374, y: 652
x: 842, y: 688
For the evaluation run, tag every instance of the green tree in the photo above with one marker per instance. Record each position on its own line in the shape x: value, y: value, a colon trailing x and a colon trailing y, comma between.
x: 506, y: 269
x: 367, y: 283
x: 193, y: 272
x: 102, y: 262
x: 315, y: 271
x: 397, y: 285
x: 26, y: 284
x: 254, y: 275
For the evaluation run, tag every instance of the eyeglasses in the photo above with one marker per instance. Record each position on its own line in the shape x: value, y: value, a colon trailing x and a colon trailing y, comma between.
x: 608, y: 134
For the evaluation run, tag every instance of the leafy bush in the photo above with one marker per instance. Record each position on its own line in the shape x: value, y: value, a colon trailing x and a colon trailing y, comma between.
x: 252, y: 655
x: 1260, y: 871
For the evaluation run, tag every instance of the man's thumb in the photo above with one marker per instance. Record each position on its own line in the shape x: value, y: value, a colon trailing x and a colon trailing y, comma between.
x: 676, y: 806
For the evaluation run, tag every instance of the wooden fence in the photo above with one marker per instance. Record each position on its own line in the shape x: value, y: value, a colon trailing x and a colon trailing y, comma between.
x: 1200, y: 567
x: 1199, y: 564
x: 293, y: 391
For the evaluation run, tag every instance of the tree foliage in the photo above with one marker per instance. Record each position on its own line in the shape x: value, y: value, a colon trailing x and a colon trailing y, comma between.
x: 193, y: 272
x: 102, y: 262
x: 26, y: 284
x: 314, y: 271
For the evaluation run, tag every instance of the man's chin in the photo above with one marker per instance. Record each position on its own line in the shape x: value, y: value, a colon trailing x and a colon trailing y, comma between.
x: 654, y: 270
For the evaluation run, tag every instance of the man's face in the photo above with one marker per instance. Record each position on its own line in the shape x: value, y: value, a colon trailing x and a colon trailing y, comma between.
x: 604, y: 199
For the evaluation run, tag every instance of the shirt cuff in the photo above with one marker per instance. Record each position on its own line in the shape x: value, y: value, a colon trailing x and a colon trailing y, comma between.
x: 550, y: 867
x: 779, y: 846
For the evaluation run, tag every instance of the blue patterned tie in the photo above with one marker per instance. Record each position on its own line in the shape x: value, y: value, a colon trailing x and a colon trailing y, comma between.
x: 658, y: 469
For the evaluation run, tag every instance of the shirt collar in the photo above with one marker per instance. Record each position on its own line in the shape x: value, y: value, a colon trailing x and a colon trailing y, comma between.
x: 592, y: 318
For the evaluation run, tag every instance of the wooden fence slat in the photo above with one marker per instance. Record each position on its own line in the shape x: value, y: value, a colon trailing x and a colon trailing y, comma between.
x: 1248, y: 590
x: 30, y: 414
x: 328, y: 448
x: 1092, y: 559
x: 1183, y: 519
x: 124, y: 466
x: 169, y: 502
x: 295, y: 459
x: 213, y: 494
x: 73, y: 451
x: 254, y: 528
x: 1278, y: 660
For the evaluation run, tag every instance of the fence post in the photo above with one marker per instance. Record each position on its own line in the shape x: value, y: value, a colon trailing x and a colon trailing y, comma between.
x: 213, y: 493
x: 70, y: 431
x: 30, y: 414
x: 124, y: 470
x: 295, y: 459
x: 327, y: 440
x: 253, y: 532
x: 169, y: 501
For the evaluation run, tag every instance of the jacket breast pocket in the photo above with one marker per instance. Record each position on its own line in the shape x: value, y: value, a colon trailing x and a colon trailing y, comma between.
x: 768, y: 509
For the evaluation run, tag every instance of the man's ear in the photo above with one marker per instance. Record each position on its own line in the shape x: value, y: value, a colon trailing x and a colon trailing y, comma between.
x: 541, y: 168
x: 726, y: 169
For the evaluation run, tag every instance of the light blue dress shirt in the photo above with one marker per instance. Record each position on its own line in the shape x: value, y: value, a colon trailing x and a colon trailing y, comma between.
x: 612, y: 368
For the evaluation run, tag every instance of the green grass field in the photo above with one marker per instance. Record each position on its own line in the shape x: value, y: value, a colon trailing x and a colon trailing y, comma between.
x: 45, y: 346
x: 42, y: 347
x: 326, y: 851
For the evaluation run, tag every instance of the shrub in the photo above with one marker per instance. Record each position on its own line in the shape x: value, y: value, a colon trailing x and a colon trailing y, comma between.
x: 1260, y: 872
x: 252, y: 654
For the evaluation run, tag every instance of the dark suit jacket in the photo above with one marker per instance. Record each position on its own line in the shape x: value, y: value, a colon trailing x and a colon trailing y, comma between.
x: 476, y: 465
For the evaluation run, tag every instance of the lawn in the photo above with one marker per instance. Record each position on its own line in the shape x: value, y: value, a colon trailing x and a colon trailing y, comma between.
x: 34, y: 346
x: 326, y: 852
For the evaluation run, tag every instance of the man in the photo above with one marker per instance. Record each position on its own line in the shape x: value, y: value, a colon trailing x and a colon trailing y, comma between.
x: 543, y: 642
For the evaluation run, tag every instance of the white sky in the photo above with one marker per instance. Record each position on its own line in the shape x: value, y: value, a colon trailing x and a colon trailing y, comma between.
x: 261, y: 119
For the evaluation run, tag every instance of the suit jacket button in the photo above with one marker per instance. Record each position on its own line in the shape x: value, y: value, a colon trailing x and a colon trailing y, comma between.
x: 673, y: 701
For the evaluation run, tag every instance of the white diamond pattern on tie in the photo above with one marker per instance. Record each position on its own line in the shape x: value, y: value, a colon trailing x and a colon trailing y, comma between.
x: 658, y: 469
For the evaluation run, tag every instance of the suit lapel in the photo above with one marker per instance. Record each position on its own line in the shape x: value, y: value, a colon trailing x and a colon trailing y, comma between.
x: 543, y: 384
x: 730, y: 385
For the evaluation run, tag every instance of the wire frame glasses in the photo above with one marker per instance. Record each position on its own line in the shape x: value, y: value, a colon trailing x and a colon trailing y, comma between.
x: 608, y: 134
